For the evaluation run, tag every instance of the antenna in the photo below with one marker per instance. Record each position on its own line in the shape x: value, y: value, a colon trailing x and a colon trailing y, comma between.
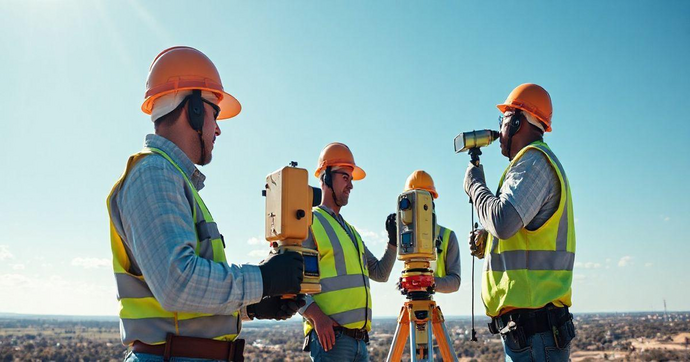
x: 665, y: 311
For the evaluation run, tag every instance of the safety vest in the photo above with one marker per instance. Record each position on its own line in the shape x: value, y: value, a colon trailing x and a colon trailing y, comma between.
x: 439, y: 266
x: 345, y: 294
x: 141, y: 316
x: 532, y: 268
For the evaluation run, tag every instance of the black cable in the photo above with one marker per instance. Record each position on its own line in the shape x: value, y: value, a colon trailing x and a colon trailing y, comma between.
x: 203, y: 147
x: 474, y: 228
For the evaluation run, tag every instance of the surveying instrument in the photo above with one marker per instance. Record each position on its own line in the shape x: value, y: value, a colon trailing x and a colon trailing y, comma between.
x: 289, y: 200
x: 420, y: 317
x: 471, y: 142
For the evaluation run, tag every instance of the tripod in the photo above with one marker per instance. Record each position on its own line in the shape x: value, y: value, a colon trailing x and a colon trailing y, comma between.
x: 420, y: 317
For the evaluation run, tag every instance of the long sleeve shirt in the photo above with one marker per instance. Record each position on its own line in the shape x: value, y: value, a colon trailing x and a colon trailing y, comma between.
x: 451, y: 282
x: 379, y: 269
x: 153, y: 213
x: 528, y: 197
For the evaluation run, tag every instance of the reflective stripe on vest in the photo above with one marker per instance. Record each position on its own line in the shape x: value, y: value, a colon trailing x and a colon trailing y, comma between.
x: 345, y: 294
x: 533, y: 268
x: 439, y: 266
x: 141, y: 315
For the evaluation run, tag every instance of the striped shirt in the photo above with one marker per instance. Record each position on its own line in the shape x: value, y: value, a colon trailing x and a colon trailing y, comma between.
x: 153, y: 214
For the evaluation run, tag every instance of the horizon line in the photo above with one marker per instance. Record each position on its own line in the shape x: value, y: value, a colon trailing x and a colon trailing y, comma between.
x: 115, y: 317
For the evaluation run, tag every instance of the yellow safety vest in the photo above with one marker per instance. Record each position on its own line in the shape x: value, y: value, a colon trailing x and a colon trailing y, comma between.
x: 532, y: 268
x: 439, y: 266
x: 141, y: 315
x: 345, y: 294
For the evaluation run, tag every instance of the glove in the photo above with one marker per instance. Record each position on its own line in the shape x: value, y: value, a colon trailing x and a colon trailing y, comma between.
x: 275, y: 308
x: 392, y: 229
x: 478, y: 242
x: 473, y: 175
x: 282, y: 273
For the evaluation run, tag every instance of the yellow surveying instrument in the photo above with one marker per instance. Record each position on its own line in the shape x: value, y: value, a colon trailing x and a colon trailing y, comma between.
x: 420, y: 317
x: 471, y: 142
x: 289, y: 200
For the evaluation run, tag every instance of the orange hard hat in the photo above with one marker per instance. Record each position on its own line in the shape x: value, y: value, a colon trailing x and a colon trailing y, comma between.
x: 420, y: 180
x: 533, y: 99
x: 338, y: 155
x: 181, y: 68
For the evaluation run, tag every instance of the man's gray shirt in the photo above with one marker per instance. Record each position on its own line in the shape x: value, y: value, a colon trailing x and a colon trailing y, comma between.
x: 530, y: 195
x: 451, y: 282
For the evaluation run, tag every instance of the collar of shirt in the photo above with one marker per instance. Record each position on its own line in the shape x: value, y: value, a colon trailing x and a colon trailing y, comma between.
x: 327, y: 209
x: 177, y: 155
x: 339, y: 218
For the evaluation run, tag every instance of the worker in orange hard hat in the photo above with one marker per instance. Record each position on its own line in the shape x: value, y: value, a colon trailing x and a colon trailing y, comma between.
x: 179, y: 297
x: 529, y: 235
x: 447, y: 265
x: 337, y: 320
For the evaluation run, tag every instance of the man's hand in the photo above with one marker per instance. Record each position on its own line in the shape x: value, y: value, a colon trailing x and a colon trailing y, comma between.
x: 275, y: 308
x: 478, y: 242
x: 392, y: 229
x: 282, y: 273
x: 473, y: 175
x: 323, y: 325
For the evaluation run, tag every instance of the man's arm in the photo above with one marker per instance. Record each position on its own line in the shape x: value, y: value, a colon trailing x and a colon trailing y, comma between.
x: 528, y: 185
x: 380, y: 270
x: 157, y: 220
x: 451, y: 282
x: 496, y: 214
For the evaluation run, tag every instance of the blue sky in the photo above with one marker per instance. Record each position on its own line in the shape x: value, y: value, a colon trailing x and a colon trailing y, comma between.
x: 396, y: 81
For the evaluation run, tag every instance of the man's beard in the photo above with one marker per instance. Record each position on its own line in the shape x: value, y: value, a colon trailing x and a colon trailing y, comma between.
x: 342, y: 200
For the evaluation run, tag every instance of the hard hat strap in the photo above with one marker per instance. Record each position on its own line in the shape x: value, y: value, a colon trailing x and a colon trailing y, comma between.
x: 328, y: 180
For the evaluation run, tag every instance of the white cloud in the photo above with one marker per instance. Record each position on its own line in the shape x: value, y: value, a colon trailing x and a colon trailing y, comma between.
x: 91, y: 263
x: 667, y: 218
x: 18, y: 266
x: 261, y: 253
x: 625, y: 261
x: 73, y: 296
x: 5, y: 253
x: 13, y: 280
x: 588, y: 265
x: 648, y: 265
x: 369, y: 236
x: 579, y: 277
x: 256, y: 241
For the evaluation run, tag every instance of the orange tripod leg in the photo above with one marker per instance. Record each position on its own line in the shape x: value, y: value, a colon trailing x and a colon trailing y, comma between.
x: 444, y: 343
x: 400, y: 337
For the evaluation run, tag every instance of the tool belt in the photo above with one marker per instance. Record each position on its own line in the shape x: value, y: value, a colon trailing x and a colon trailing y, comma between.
x: 520, y: 324
x: 358, y: 334
x: 193, y: 347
